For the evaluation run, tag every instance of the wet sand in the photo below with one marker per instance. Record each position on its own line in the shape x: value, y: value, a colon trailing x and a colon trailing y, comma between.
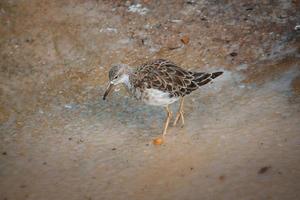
x: 60, y: 140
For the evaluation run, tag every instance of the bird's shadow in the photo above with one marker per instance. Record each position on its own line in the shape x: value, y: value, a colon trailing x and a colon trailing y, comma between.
x: 127, y: 111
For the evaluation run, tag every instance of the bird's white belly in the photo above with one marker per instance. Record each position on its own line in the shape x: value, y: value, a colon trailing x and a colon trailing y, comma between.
x: 158, y: 98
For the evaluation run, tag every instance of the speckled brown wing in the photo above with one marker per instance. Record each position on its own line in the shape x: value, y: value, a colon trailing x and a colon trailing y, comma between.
x: 166, y: 76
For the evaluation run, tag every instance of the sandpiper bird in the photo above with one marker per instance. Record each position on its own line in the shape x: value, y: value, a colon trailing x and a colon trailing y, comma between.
x: 160, y: 83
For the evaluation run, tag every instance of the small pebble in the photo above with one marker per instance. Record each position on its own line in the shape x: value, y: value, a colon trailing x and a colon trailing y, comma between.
x: 222, y: 177
x: 233, y: 54
x: 264, y: 169
x: 185, y: 39
x: 158, y: 141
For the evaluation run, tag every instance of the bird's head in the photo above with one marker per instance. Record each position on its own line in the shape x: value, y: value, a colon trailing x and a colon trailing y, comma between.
x: 117, y: 74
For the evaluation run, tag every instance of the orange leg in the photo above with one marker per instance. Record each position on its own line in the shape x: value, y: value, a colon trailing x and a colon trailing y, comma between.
x: 179, y: 113
x: 169, y: 116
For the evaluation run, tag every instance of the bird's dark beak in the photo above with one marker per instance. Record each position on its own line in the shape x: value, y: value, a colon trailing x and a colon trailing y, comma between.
x: 108, y: 90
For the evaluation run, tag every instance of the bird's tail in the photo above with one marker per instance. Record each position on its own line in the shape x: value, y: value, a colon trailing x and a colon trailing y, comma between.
x: 203, y: 78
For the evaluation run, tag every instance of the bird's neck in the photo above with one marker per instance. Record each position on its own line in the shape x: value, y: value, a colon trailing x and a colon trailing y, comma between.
x: 127, y: 80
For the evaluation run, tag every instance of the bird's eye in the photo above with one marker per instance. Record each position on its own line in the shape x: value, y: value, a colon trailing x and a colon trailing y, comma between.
x: 117, y: 76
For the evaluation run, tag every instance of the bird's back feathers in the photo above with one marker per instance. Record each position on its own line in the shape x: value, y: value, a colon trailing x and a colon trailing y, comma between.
x: 166, y: 76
